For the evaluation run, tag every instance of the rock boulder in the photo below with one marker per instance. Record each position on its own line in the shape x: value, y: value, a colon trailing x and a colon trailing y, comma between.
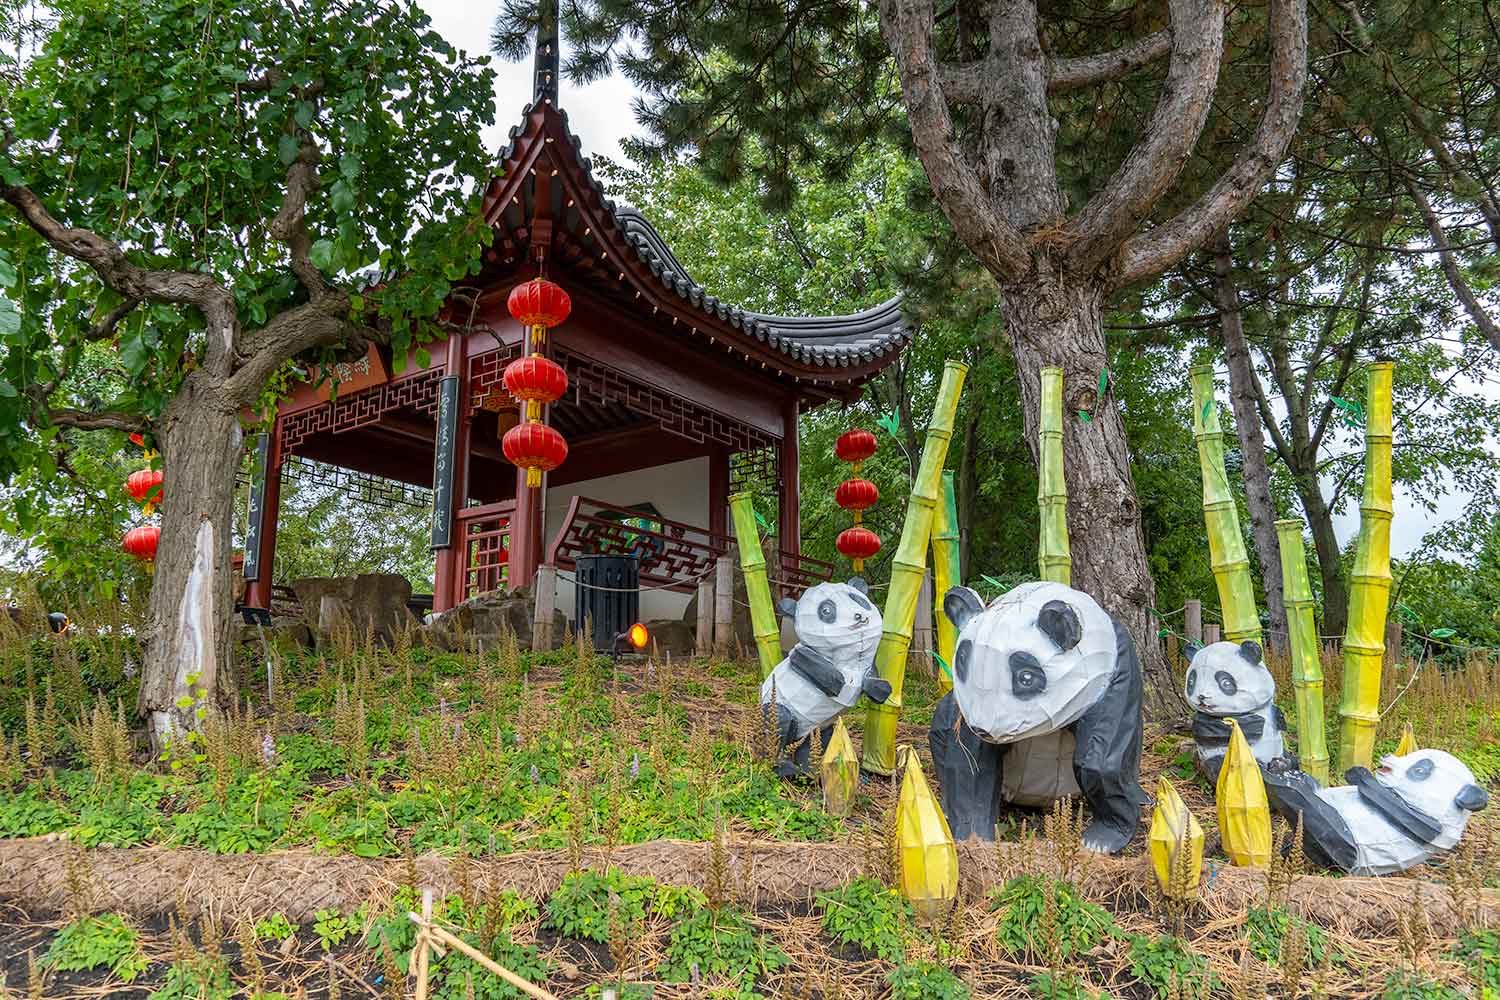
x: 377, y: 599
x: 488, y: 617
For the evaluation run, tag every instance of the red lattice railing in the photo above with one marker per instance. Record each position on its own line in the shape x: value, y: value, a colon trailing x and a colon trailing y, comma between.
x: 673, y: 555
x: 798, y: 572
x: 484, y: 538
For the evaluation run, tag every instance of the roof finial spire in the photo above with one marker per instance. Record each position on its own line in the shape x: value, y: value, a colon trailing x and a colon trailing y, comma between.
x: 546, y: 51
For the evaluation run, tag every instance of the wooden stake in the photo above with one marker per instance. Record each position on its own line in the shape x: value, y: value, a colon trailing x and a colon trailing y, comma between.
x: 428, y: 930
x: 424, y: 924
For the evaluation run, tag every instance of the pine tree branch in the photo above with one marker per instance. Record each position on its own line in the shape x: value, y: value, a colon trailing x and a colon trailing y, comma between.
x: 1153, y: 251
x: 907, y: 26
x: 1064, y: 75
x: 962, y: 83
x: 1449, y: 264
x: 1156, y: 160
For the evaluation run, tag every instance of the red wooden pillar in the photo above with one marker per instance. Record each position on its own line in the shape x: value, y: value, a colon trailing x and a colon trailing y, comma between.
x: 718, y: 492
x: 789, y: 510
x: 258, y: 591
x: 447, y: 584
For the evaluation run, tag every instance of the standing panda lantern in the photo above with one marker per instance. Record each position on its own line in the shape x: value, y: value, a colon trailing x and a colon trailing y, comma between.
x: 1046, y: 705
x: 1229, y: 680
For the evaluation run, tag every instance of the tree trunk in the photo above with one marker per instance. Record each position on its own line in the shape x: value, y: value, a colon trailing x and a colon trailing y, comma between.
x: 1326, y: 542
x: 968, y: 490
x: 1252, y: 443
x: 1061, y: 324
x: 187, y: 649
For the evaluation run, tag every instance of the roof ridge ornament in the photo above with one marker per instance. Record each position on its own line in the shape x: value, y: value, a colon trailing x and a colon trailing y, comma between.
x: 548, y: 43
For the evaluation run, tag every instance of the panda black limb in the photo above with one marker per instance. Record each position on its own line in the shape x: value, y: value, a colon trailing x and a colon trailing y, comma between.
x: 1046, y: 704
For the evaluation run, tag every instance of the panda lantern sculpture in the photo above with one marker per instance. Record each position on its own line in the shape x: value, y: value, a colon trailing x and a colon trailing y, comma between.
x: 1227, y: 680
x: 833, y: 663
x: 1046, y: 704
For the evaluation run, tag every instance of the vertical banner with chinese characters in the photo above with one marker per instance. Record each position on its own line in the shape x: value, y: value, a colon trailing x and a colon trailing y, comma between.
x: 261, y: 449
x: 444, y: 459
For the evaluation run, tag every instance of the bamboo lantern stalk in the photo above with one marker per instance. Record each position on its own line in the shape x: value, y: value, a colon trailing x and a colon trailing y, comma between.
x: 907, y: 569
x: 945, y: 574
x: 1226, y: 545
x: 757, y: 588
x: 1054, y: 557
x: 1369, y: 584
x: 1307, y: 667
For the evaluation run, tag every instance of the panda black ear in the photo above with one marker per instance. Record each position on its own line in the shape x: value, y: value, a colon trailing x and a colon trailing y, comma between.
x: 960, y: 604
x: 1060, y: 622
x: 787, y: 607
x: 1250, y: 652
x: 1191, y: 650
x: 1472, y: 798
x: 858, y: 583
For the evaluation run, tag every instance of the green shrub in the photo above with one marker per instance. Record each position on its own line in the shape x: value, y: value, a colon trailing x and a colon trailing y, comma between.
x: 719, y: 942
x: 1268, y: 928
x: 1078, y: 925
x: 1169, y: 966
x: 276, y: 927
x: 332, y: 927
x: 1480, y: 951
x: 1061, y: 986
x: 925, y: 981
x: 197, y: 978
x: 102, y: 942
x: 580, y: 906
x: 868, y: 914
x: 1408, y: 984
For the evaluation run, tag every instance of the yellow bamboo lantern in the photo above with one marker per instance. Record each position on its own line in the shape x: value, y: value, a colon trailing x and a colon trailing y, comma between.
x: 1307, y: 667
x: 757, y: 588
x: 1054, y: 557
x: 1244, y: 813
x: 1226, y: 545
x: 1408, y: 742
x: 928, y: 857
x: 839, y: 770
x: 1176, y: 842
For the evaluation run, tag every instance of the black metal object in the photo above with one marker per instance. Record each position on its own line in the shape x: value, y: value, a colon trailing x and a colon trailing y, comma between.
x: 607, y: 595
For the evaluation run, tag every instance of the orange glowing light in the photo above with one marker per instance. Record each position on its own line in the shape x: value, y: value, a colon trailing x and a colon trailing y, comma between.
x: 638, y: 636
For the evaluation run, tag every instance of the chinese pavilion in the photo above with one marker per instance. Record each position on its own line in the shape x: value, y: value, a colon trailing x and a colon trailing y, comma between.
x: 671, y: 395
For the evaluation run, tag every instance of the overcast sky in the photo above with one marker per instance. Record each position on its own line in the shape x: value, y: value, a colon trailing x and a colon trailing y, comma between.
x: 601, y: 115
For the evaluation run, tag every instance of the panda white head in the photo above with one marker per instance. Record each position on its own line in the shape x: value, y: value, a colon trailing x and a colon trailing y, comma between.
x: 1437, y: 784
x: 837, y: 619
x: 1032, y: 662
x: 1228, y: 678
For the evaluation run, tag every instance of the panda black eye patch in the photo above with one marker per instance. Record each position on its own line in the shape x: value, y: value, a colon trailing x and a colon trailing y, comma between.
x: 1226, y: 682
x: 859, y: 601
x: 1420, y: 771
x: 1192, y: 680
x: 1027, y: 679
x: 828, y: 611
x: 961, y: 660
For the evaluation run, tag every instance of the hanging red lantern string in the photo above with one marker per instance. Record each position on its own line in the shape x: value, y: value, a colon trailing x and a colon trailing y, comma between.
x: 535, y: 380
x: 141, y: 542
x: 857, y: 495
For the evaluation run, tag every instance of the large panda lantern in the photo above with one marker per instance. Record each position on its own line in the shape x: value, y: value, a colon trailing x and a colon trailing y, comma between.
x: 1046, y: 704
x: 832, y: 664
x: 1228, y: 680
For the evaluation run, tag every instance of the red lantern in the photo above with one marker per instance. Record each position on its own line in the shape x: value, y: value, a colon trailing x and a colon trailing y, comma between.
x: 141, y: 542
x: 535, y: 379
x: 856, y: 494
x: 538, y: 304
x: 144, y: 484
x: 138, y: 439
x: 855, y: 446
x: 536, y: 448
x: 858, y: 543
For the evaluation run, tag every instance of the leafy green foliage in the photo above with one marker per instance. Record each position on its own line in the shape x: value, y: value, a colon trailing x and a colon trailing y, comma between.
x: 276, y: 927
x: 1479, y: 950
x: 97, y: 942
x: 580, y: 906
x: 454, y: 973
x: 1169, y: 966
x: 332, y: 927
x: 197, y: 977
x: 1268, y: 927
x: 869, y: 915
x: 1408, y: 984
x: 1079, y: 925
x: 719, y: 942
x: 925, y: 981
x: 1059, y: 986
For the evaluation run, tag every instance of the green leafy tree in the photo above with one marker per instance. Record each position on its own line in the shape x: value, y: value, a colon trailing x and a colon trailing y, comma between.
x: 212, y: 192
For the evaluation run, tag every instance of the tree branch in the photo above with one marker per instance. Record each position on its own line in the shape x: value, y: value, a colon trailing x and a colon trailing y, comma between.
x: 907, y: 27
x: 323, y: 322
x: 87, y: 420
x: 1085, y: 71
x: 962, y: 83
x: 1449, y: 264
x: 1156, y: 160
x: 1153, y: 251
x: 105, y: 328
x: 290, y: 224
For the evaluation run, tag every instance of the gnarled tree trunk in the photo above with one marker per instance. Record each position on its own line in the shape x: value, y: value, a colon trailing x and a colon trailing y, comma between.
x: 188, y: 649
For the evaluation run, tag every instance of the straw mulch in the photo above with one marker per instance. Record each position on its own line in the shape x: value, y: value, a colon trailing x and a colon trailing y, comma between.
x: 152, y: 881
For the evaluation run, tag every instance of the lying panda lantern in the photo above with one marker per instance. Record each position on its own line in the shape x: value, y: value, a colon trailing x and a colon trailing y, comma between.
x: 832, y: 664
x: 1046, y: 704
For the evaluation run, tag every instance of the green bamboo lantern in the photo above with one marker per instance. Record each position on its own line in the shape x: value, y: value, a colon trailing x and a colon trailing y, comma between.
x: 945, y: 574
x: 1226, y: 545
x: 1307, y: 667
x: 1054, y: 557
x: 1369, y: 584
x: 757, y: 588
x: 907, y: 570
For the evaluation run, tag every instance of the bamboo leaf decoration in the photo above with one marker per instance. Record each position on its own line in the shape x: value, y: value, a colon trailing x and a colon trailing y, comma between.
x: 945, y: 574
x: 1244, y: 811
x: 1307, y: 667
x: 1369, y: 583
x: 1054, y: 557
x: 1226, y: 544
x: 1176, y: 843
x: 757, y: 588
x: 928, y: 857
x: 839, y: 770
x: 907, y: 569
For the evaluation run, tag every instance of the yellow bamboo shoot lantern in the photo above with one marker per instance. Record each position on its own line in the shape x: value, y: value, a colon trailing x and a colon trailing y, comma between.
x: 1226, y: 545
x: 1244, y: 813
x: 1054, y: 557
x: 839, y: 770
x: 1369, y: 583
x: 757, y: 588
x: 1408, y: 742
x: 1307, y: 666
x: 928, y: 857
x: 1176, y: 842
x: 945, y: 575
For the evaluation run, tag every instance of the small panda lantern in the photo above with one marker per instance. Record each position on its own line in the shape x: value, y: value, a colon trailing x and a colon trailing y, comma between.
x: 1395, y: 818
x: 832, y: 664
x: 1227, y: 680
x: 1046, y: 704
